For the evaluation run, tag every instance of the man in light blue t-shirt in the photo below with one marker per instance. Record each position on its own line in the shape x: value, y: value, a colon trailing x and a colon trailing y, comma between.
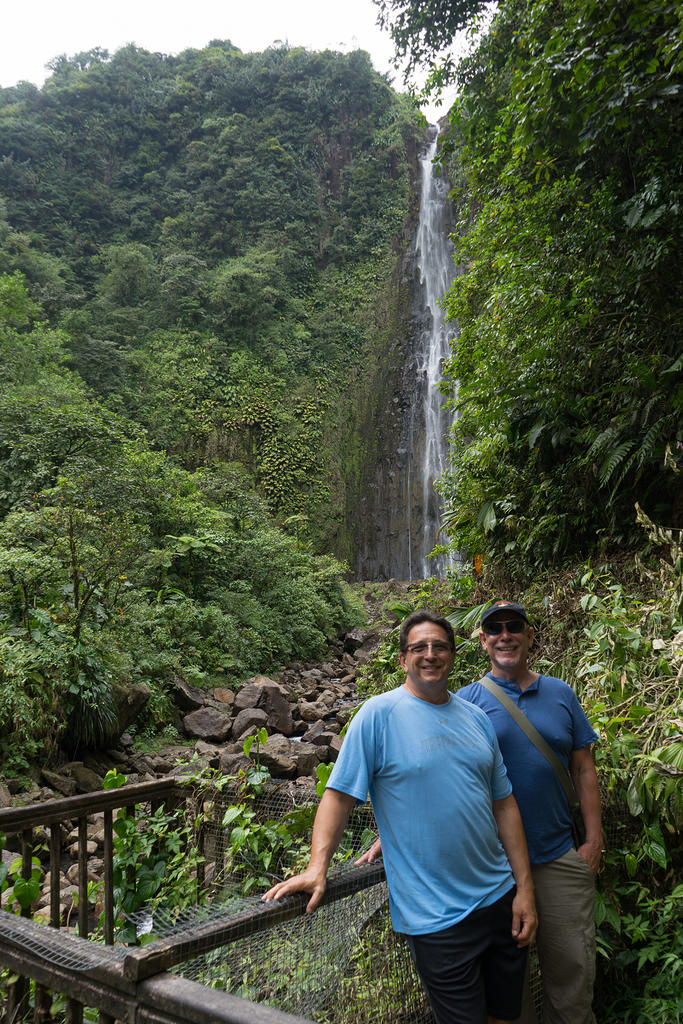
x: 454, y: 849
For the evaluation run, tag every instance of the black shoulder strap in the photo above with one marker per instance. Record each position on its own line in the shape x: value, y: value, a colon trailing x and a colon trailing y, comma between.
x: 534, y: 735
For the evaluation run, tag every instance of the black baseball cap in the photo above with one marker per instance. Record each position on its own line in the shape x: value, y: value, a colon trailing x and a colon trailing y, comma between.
x: 504, y: 606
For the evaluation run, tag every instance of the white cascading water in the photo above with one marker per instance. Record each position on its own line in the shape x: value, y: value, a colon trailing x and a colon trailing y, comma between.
x: 436, y: 271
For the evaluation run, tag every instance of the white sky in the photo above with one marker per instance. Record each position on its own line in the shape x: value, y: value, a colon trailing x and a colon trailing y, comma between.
x: 36, y: 31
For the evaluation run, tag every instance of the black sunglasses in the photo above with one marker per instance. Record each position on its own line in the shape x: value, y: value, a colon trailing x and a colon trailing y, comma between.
x: 512, y: 626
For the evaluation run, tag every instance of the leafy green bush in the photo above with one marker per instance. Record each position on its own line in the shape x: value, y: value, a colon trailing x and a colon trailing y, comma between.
x: 565, y: 373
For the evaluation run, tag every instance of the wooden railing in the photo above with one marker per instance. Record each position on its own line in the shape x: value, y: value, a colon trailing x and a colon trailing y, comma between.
x: 88, y: 977
x: 128, y: 984
x: 50, y: 815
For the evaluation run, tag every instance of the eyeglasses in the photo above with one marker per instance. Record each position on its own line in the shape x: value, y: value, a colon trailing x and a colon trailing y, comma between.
x: 512, y: 626
x: 421, y: 647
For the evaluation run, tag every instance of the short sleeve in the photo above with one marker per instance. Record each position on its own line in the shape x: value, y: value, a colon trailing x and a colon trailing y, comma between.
x: 355, y: 765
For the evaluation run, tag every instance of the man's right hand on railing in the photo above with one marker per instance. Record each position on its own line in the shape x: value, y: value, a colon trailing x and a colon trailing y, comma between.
x: 328, y: 829
x: 309, y: 880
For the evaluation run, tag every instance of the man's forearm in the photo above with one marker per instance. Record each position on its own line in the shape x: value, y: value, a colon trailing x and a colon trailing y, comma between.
x: 328, y: 828
x: 585, y: 779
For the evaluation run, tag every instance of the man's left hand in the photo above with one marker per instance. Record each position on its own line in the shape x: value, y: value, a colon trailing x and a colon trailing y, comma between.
x: 592, y: 854
x: 371, y: 855
x: 524, y: 919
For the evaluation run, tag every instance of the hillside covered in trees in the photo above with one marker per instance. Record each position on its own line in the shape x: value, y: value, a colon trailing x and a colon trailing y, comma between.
x: 199, y: 305
x: 196, y: 260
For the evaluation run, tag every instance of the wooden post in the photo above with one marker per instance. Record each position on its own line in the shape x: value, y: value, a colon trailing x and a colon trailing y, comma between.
x: 83, y: 876
x: 74, y: 1012
x: 108, y: 878
x: 55, y: 865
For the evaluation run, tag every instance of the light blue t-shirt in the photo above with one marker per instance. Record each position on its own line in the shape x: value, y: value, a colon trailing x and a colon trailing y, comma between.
x: 432, y: 771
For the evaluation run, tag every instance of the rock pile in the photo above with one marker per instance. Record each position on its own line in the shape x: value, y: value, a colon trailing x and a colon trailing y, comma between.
x: 303, y: 709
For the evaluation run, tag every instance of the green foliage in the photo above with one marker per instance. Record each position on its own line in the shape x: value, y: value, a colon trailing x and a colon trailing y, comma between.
x: 256, y: 775
x: 256, y: 847
x: 566, y: 372
x: 323, y: 772
x: 629, y: 673
x: 116, y: 566
x: 420, y: 29
x: 114, y: 779
x: 155, y: 862
x: 25, y: 891
x: 193, y: 238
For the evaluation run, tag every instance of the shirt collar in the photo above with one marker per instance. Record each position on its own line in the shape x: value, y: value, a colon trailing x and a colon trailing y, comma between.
x: 512, y: 686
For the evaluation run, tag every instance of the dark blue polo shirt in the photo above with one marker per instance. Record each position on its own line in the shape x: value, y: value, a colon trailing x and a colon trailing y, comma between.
x: 553, y: 708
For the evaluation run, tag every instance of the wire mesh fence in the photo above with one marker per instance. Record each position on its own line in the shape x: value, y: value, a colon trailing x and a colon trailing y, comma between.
x: 342, y: 964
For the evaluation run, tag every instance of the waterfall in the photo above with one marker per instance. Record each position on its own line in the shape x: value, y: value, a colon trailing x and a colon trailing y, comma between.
x: 394, y: 506
x: 429, y: 420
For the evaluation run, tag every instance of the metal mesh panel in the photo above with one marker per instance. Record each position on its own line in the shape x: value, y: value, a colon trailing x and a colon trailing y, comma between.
x: 61, y: 948
x: 343, y: 963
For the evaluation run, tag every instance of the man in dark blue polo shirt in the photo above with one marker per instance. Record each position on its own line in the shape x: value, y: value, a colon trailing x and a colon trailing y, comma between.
x: 563, y: 876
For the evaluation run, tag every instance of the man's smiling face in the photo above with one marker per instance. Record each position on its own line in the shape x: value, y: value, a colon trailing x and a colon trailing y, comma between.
x: 508, y: 646
x: 427, y: 662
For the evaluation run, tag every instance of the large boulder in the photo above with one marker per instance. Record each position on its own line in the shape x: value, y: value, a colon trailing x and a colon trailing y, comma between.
x: 62, y: 783
x: 327, y: 738
x: 269, y: 696
x: 313, y: 675
x: 313, y: 730
x: 209, y: 753
x: 276, y: 756
x: 247, y: 722
x: 188, y: 698
x: 232, y: 763
x: 356, y: 638
x: 87, y: 781
x: 330, y: 751
x: 208, y: 724
x: 307, y: 757
x: 312, y: 711
x: 223, y: 696
x: 131, y: 703
x: 274, y: 702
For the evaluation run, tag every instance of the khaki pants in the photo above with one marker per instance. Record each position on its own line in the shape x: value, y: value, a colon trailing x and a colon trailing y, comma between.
x: 565, y: 890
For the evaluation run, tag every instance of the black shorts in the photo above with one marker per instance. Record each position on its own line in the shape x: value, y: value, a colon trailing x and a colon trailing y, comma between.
x: 473, y: 969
